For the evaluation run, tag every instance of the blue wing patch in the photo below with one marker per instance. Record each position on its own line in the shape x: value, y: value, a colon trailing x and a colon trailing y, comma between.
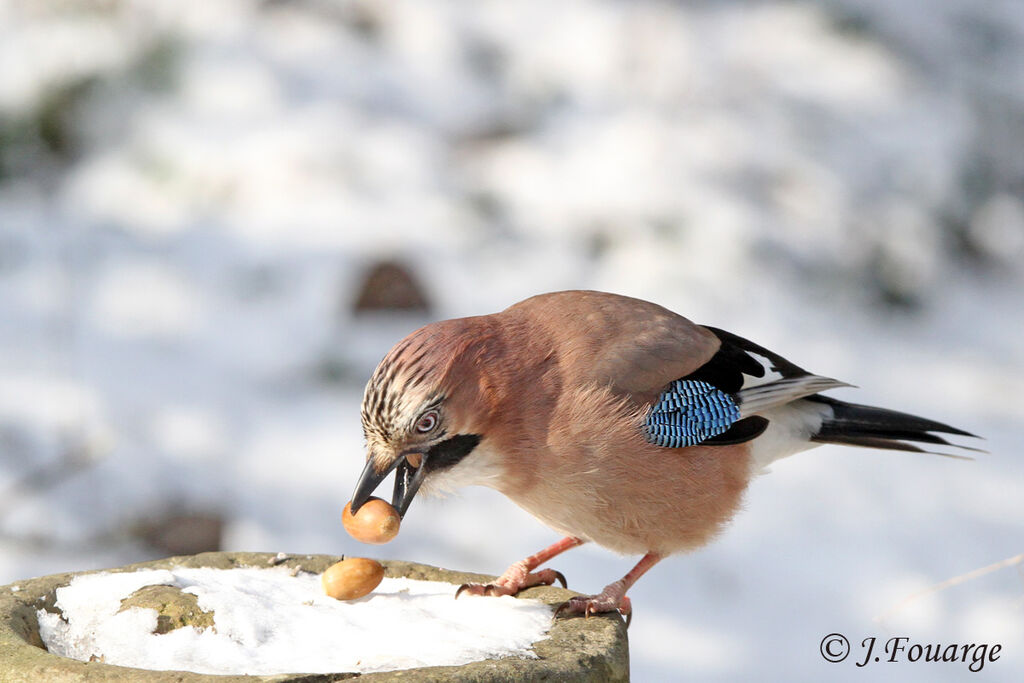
x: 689, y: 412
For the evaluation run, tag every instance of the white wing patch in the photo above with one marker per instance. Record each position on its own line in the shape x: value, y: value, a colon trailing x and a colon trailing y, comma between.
x: 770, y: 375
x: 759, y: 394
x: 757, y: 399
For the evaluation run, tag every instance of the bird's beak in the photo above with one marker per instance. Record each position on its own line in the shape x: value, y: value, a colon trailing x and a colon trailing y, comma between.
x: 407, y: 482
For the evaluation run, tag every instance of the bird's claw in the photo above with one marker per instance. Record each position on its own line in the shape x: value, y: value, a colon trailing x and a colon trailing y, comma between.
x: 596, y: 604
x: 483, y: 589
x: 510, y: 586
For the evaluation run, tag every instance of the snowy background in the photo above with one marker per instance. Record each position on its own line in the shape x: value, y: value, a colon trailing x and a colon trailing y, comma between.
x: 191, y: 200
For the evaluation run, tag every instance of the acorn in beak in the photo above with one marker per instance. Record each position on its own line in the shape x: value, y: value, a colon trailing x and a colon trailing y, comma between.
x: 409, y: 472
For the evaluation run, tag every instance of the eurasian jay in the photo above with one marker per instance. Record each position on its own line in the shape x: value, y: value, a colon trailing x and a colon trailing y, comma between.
x: 608, y: 418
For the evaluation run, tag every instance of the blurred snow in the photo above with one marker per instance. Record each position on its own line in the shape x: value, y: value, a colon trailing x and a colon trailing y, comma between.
x: 189, y: 198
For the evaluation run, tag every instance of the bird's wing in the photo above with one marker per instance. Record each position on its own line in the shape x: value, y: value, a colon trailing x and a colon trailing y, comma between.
x: 720, y: 402
x: 702, y: 384
x: 631, y: 346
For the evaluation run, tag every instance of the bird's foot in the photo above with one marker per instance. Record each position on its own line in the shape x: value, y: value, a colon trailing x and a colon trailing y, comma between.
x: 611, y: 599
x: 516, y: 578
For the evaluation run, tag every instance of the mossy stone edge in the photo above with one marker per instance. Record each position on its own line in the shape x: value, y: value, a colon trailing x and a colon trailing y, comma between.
x: 577, y: 649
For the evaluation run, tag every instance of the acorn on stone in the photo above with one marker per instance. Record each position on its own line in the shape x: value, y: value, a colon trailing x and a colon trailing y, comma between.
x: 352, y: 578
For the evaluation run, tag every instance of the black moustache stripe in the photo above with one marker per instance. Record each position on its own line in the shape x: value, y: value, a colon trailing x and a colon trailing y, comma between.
x: 450, y: 452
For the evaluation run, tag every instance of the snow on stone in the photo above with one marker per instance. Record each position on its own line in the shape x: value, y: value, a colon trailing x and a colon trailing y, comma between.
x: 267, y: 621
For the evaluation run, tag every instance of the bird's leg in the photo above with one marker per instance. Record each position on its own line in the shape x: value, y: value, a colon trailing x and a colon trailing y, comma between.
x: 613, y: 597
x: 521, y: 575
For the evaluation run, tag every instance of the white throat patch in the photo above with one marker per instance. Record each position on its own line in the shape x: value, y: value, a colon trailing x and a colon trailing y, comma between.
x: 482, y: 467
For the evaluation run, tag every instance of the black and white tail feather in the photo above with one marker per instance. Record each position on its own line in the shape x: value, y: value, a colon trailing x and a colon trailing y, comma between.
x: 859, y: 425
x: 748, y: 393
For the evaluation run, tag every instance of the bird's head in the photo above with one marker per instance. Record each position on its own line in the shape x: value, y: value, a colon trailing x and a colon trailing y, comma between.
x: 425, y: 409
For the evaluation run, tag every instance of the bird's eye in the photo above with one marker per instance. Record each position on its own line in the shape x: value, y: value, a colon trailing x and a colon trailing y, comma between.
x: 427, y: 422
